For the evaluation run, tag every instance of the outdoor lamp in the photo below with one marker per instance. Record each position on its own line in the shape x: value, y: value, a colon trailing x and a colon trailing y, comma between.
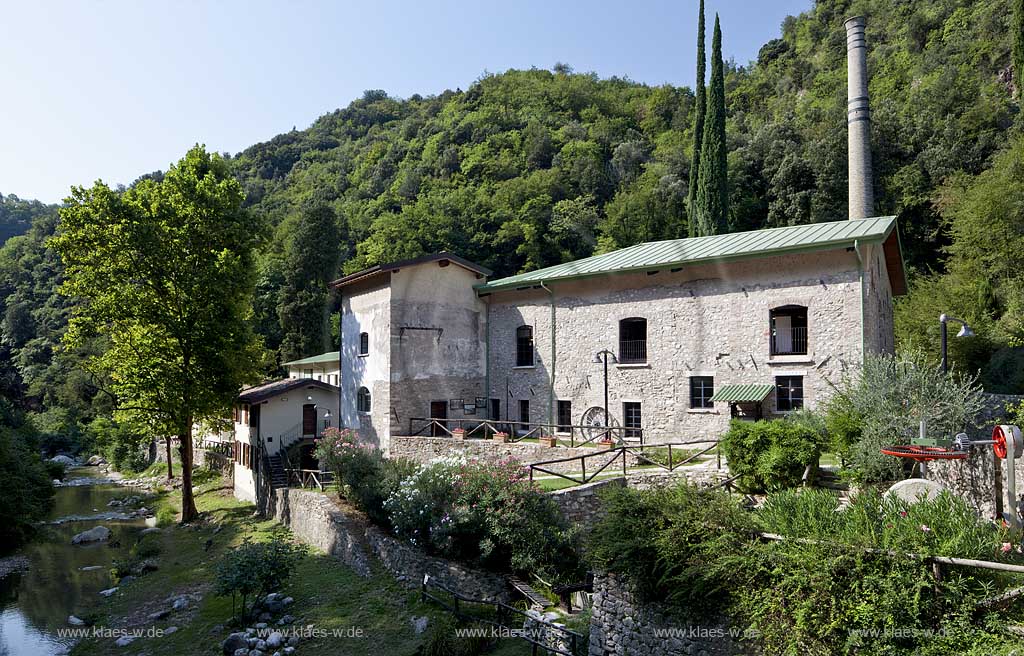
x: 965, y: 331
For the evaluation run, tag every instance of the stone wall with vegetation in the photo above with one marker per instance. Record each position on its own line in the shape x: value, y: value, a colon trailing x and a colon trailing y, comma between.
x: 621, y: 625
x: 347, y: 534
x: 975, y: 478
x: 581, y: 505
x: 425, y: 449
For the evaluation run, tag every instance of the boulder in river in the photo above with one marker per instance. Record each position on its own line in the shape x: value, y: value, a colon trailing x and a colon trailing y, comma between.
x: 95, y: 534
x: 67, y: 461
x: 108, y: 592
x: 74, y: 621
x: 96, y: 460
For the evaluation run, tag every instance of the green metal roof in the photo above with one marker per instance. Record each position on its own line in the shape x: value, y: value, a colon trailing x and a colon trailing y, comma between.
x: 749, y: 393
x: 713, y: 248
x: 331, y: 357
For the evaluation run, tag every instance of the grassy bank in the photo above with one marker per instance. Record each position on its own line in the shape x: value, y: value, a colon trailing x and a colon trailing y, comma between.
x: 363, y: 615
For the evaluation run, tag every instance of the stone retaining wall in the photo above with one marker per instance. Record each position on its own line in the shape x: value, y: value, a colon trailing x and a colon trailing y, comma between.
x: 346, y: 534
x: 581, y: 505
x: 425, y: 449
x: 622, y: 625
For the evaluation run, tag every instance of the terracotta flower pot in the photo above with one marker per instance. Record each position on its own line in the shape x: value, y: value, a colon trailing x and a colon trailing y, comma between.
x: 459, y: 433
x: 549, y: 441
x: 500, y: 437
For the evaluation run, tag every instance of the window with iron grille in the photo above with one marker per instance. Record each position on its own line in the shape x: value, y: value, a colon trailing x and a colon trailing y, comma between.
x: 565, y: 416
x: 702, y: 388
x: 633, y: 341
x: 363, y: 400
x: 788, y: 326
x: 632, y: 418
x: 524, y: 346
x: 789, y: 393
x: 364, y: 343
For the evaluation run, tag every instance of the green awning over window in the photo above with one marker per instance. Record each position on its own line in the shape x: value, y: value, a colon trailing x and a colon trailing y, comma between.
x: 743, y: 393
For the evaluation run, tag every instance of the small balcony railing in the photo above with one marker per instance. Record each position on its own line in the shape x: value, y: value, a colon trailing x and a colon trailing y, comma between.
x: 632, y: 351
x: 797, y: 343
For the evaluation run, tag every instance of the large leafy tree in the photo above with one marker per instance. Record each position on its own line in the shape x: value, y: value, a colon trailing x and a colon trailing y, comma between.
x: 712, y: 205
x: 165, y: 270
x: 310, y: 262
x: 700, y: 109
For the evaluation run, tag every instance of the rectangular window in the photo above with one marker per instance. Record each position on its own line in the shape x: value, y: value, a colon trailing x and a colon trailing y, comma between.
x: 789, y: 393
x: 633, y: 341
x: 524, y: 410
x: 632, y: 418
x: 702, y: 388
x: 364, y: 343
x: 788, y: 325
x: 245, y: 414
x: 307, y: 373
x: 565, y: 416
x: 524, y: 346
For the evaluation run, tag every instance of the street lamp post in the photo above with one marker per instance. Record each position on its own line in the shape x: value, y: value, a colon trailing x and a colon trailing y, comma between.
x: 965, y: 331
x: 602, y: 357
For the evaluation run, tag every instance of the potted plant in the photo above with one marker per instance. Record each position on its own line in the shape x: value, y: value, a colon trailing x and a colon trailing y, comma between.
x: 500, y: 436
x: 548, y: 441
x: 459, y: 433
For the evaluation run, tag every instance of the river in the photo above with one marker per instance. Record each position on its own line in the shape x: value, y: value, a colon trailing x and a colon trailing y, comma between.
x: 35, y: 604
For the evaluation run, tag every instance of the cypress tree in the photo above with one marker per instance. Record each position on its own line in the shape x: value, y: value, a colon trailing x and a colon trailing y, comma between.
x: 1018, y: 47
x: 712, y: 202
x: 698, y: 122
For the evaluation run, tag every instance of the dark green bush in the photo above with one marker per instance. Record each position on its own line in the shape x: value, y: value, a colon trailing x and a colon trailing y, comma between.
x: 25, y: 488
x: 443, y: 638
x: 254, y: 569
x: 770, y: 454
x: 845, y: 587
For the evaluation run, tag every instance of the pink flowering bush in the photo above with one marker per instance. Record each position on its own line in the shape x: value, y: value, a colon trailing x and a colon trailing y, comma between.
x: 485, y: 514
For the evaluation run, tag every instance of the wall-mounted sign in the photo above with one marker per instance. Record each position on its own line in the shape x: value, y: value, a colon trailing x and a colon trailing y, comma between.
x: 481, y: 401
x: 455, y: 404
x: 469, y: 409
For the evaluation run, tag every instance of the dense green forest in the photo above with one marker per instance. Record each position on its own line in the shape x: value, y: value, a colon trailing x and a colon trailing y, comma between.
x: 532, y: 167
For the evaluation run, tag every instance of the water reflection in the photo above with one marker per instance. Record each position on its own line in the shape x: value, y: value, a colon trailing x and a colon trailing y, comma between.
x: 34, y: 605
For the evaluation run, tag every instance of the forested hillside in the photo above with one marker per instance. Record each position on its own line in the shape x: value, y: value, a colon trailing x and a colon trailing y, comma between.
x: 16, y: 215
x: 529, y: 168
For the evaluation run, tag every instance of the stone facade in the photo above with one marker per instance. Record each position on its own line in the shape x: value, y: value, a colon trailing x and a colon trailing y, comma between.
x: 426, y: 333
x: 710, y: 320
x: 622, y: 625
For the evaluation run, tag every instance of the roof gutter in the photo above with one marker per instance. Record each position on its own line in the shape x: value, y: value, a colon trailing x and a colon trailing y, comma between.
x: 551, y: 385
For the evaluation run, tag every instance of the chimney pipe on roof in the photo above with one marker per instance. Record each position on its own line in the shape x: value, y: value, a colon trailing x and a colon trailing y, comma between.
x: 858, y: 121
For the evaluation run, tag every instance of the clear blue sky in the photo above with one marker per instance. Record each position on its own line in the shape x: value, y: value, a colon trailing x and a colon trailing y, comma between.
x: 110, y: 90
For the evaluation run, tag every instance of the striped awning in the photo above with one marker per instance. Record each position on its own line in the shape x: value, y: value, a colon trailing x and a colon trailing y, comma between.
x: 743, y: 393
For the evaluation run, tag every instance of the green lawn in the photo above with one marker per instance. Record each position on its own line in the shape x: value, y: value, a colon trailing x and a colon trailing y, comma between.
x: 370, y: 615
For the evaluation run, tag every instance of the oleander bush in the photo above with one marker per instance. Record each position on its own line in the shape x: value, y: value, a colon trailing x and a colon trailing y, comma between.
x: 484, y: 514
x: 841, y: 583
x: 770, y: 454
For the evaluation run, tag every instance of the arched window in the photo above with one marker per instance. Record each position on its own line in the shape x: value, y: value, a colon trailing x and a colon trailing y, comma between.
x: 524, y: 346
x: 788, y: 325
x: 633, y: 340
x: 363, y: 400
x: 364, y: 343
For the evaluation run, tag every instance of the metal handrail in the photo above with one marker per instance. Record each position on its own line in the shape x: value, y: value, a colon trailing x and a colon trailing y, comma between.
x: 503, y: 610
x: 620, y: 452
x: 308, y: 477
x: 577, y: 433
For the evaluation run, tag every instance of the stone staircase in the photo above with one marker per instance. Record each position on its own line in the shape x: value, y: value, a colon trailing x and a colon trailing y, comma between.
x: 278, y: 477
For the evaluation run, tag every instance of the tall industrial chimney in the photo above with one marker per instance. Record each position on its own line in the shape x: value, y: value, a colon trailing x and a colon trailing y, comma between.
x: 858, y: 121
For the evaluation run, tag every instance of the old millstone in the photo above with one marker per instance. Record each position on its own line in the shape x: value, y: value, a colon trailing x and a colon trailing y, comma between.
x: 95, y: 534
x: 913, y: 490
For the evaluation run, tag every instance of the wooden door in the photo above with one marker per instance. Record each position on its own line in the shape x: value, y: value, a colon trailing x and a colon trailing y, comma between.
x: 309, y: 419
x: 438, y: 410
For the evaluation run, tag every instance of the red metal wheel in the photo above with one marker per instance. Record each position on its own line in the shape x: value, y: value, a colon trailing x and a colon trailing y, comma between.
x: 924, y: 453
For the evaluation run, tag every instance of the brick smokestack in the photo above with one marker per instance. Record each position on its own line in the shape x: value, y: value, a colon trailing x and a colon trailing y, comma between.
x: 858, y: 121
